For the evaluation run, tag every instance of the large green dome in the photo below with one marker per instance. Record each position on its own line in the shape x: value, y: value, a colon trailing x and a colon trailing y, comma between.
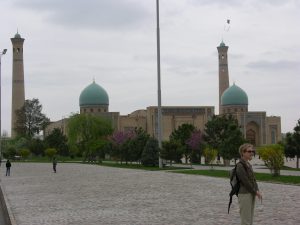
x: 93, y: 94
x: 234, y: 95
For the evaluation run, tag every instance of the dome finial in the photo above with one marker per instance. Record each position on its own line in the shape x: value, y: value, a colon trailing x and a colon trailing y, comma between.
x: 93, y: 79
x: 222, y: 43
x: 17, y: 35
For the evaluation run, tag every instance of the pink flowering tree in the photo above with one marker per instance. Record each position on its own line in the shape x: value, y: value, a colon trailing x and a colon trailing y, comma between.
x: 120, y: 144
x: 195, y: 144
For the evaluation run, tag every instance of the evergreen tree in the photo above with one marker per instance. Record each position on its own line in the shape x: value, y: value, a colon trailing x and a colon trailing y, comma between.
x: 181, y: 135
x: 56, y: 139
x: 292, y: 143
x: 150, y: 153
x: 223, y: 134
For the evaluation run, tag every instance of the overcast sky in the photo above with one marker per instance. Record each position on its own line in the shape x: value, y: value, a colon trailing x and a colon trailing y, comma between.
x: 70, y: 42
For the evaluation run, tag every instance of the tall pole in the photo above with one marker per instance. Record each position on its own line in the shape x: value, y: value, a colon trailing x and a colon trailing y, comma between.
x: 159, y: 133
x: 2, y: 53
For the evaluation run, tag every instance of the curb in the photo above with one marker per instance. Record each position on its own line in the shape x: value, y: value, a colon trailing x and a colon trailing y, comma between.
x: 4, y: 204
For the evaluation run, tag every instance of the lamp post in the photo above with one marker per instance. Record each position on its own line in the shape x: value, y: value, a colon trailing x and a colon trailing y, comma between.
x: 1, y: 54
x: 159, y: 132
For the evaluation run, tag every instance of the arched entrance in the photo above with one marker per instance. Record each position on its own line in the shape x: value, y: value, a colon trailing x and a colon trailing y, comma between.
x: 252, y: 133
x: 250, y: 137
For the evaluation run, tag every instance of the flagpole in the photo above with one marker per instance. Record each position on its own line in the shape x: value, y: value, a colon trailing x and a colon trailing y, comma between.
x: 159, y: 114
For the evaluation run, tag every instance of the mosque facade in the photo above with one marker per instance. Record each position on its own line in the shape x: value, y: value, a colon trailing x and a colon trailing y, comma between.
x: 258, y: 128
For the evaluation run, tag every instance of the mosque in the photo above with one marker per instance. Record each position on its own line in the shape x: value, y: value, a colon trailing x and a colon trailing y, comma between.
x: 258, y: 128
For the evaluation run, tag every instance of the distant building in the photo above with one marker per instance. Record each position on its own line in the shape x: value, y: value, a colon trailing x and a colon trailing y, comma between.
x: 257, y: 128
x: 94, y: 100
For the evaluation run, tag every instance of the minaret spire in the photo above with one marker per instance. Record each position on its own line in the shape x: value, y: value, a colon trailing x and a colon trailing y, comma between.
x: 223, y: 71
x: 18, y: 89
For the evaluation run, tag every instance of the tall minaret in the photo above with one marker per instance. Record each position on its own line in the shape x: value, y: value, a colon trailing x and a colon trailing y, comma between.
x: 223, y: 71
x: 18, y: 90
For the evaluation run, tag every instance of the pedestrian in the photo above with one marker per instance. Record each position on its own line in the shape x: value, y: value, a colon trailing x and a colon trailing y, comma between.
x: 54, y: 162
x: 248, y: 186
x: 8, y: 165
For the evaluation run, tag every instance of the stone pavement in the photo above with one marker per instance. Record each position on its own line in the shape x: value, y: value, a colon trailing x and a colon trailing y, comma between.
x: 90, y: 195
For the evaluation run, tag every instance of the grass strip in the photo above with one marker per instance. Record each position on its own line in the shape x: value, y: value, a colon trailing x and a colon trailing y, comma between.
x: 259, y: 176
x: 139, y: 166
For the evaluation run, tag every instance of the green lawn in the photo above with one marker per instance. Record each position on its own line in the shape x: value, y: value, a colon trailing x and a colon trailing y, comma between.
x: 46, y: 159
x: 139, y: 166
x: 259, y: 176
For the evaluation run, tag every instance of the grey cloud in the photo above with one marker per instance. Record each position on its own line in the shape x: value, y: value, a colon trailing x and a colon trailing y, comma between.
x: 238, y: 3
x: 275, y: 65
x: 89, y: 14
x: 228, y: 3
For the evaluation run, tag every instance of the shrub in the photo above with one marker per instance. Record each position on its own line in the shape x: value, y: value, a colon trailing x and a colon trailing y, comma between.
x: 10, y: 152
x: 24, y: 153
x: 210, y: 155
x: 50, y: 152
x: 273, y: 156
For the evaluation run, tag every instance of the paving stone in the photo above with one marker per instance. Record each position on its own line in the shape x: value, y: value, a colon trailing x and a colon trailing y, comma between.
x: 82, y: 194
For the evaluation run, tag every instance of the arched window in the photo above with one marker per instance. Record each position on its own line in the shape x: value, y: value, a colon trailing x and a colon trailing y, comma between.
x: 273, y: 137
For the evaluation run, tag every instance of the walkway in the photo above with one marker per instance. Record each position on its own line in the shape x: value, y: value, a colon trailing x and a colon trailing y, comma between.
x: 88, y: 194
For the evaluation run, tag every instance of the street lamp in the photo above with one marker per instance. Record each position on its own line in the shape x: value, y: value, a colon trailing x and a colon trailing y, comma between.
x: 1, y: 54
x: 159, y: 130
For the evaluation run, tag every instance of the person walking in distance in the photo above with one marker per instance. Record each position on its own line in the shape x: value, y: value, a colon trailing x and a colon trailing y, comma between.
x: 8, y: 165
x: 54, y: 162
x: 248, y: 186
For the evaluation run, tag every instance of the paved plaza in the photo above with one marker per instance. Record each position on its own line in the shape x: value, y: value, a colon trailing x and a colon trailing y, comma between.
x: 81, y: 194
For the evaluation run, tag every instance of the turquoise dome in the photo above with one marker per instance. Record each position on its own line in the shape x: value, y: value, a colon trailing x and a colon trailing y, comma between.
x: 234, y: 95
x: 93, y: 94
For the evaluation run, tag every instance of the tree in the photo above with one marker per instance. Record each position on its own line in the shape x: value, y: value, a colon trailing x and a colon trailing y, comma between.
x: 137, y: 144
x: 195, y: 143
x: 56, y: 139
x: 292, y: 143
x: 99, y: 148
x: 223, y: 134
x: 120, y: 142
x: 84, y: 129
x: 21, y: 143
x: 150, y: 153
x: 30, y: 119
x: 171, y: 151
x: 182, y: 134
x: 37, y: 147
x: 273, y: 156
x: 10, y: 152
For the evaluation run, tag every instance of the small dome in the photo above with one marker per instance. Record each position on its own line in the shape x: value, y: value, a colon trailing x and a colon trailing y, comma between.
x: 234, y: 95
x: 17, y: 35
x: 93, y: 94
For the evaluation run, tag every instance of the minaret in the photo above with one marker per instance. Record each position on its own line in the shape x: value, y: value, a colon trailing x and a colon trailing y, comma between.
x: 223, y: 71
x: 18, y: 90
